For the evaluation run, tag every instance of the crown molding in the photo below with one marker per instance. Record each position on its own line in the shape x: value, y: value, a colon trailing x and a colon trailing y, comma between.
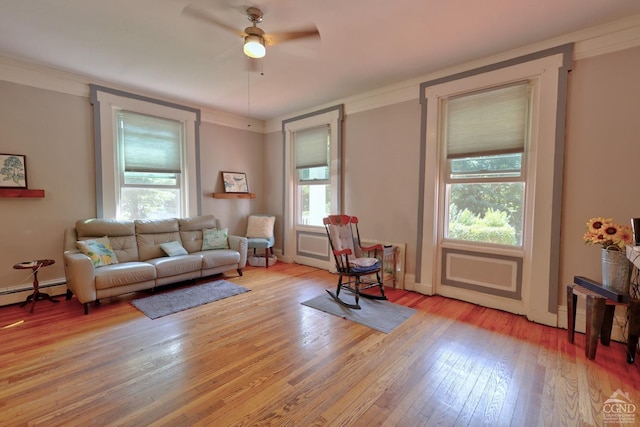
x: 42, y: 77
x: 231, y: 120
x: 29, y: 74
x: 389, y: 95
x: 609, y: 39
x: 599, y: 40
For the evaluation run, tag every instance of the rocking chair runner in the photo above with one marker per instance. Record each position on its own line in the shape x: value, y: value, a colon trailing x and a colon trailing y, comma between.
x: 359, y: 265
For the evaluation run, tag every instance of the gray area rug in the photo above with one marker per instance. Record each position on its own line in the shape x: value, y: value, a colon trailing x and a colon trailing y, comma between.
x: 188, y: 297
x: 383, y: 316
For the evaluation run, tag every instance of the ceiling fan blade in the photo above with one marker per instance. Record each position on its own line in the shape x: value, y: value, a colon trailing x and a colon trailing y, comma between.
x: 276, y: 38
x: 204, y: 15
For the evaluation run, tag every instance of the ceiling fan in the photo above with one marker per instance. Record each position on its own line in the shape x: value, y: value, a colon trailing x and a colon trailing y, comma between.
x: 255, y: 39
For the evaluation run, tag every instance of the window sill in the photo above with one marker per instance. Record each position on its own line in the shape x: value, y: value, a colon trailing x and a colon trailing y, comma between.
x: 490, y: 248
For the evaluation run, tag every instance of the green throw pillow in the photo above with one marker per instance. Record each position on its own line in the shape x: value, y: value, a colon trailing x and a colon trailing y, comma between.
x: 173, y: 248
x: 213, y: 238
x: 99, y: 250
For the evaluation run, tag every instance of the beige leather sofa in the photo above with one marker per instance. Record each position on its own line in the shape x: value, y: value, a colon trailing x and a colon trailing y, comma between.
x: 141, y: 262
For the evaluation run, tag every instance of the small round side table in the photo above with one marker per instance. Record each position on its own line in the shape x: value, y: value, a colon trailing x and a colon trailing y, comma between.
x: 35, y: 265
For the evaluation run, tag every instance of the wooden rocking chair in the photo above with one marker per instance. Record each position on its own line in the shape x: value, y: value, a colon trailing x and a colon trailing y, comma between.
x: 358, y: 267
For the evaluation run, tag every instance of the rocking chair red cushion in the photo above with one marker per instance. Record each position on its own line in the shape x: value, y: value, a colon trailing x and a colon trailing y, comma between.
x: 358, y: 266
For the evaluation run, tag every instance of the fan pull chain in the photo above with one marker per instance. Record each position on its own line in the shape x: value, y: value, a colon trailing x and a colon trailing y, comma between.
x: 249, y: 97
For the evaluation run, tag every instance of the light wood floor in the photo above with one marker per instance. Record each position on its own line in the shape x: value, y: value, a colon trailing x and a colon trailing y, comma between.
x: 262, y: 358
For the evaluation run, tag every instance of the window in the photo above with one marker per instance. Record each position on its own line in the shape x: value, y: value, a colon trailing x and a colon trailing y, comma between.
x: 521, y: 277
x: 150, y: 165
x: 146, y: 156
x: 313, y: 181
x: 486, y: 136
x: 313, y: 178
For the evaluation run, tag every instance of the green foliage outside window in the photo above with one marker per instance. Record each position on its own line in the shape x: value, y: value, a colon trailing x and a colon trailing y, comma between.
x: 139, y: 203
x: 487, y: 166
x: 496, y: 208
x: 492, y: 227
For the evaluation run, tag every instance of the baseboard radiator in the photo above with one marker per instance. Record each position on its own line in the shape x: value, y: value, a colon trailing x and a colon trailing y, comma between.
x: 19, y: 293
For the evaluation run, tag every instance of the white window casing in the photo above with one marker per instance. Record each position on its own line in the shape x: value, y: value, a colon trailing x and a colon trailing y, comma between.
x: 107, y: 105
x: 309, y: 133
x: 543, y: 73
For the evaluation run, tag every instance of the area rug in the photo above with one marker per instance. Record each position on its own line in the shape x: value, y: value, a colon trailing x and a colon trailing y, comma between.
x: 383, y: 316
x: 187, y: 297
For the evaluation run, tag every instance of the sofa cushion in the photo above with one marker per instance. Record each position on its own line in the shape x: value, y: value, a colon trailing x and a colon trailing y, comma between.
x: 213, y: 238
x: 172, y: 266
x: 99, y: 250
x: 125, y: 248
x: 97, y: 227
x: 218, y: 258
x: 124, y: 274
x: 149, y: 244
x: 121, y: 235
x: 191, y: 231
x: 150, y: 233
x: 258, y: 243
x: 152, y: 226
x: 191, y: 240
x: 173, y: 248
x: 197, y: 223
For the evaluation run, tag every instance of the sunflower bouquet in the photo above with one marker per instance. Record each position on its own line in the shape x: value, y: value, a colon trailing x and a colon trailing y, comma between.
x: 606, y: 233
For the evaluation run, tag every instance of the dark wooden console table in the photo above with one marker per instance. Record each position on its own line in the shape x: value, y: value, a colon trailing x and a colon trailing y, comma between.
x: 601, y: 305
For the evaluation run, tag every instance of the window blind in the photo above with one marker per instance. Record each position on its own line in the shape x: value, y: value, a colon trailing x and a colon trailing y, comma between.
x: 312, y: 147
x: 151, y: 144
x: 488, y: 122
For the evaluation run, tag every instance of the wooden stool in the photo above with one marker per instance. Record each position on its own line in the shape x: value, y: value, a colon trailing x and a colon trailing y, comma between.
x: 601, y: 306
x: 599, y: 318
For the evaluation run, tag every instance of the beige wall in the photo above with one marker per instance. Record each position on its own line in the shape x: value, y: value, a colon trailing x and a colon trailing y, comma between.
x: 381, y: 162
x: 232, y: 150
x: 381, y: 150
x: 602, y: 155
x: 274, y: 184
x: 601, y: 152
x: 55, y: 132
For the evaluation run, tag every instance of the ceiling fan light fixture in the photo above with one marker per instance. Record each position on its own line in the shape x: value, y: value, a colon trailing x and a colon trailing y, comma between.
x: 254, y: 46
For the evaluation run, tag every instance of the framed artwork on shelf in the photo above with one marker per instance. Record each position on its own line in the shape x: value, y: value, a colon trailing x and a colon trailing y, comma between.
x: 235, y: 182
x: 13, y: 171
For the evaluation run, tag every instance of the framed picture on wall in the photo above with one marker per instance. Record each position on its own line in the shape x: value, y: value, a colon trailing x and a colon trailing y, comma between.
x: 235, y: 182
x: 13, y: 171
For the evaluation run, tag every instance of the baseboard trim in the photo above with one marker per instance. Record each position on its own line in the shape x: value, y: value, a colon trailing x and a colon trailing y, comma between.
x: 15, y: 296
x: 422, y: 288
x: 617, y: 332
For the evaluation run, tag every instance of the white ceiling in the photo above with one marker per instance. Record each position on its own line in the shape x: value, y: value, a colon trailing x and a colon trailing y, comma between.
x: 364, y: 45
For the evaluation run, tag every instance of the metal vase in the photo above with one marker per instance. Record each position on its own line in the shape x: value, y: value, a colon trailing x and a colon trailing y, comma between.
x: 616, y: 271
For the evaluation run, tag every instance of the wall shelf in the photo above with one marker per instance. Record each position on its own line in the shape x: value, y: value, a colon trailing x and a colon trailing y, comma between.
x: 234, y: 195
x: 20, y: 192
